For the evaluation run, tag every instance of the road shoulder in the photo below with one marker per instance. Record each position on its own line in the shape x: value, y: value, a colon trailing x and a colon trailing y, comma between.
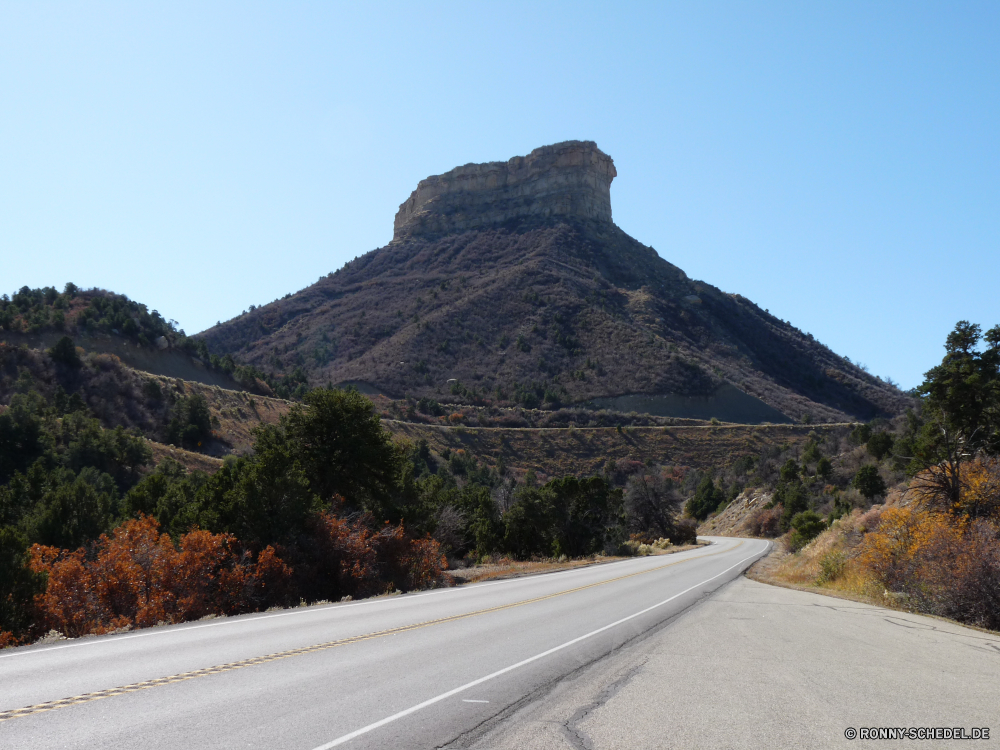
x: 758, y: 666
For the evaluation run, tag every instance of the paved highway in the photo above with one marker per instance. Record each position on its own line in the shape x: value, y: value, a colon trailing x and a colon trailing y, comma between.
x: 758, y: 666
x: 414, y: 671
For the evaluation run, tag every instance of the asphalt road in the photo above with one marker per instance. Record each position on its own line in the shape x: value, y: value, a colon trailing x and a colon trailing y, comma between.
x: 415, y: 671
x: 758, y: 666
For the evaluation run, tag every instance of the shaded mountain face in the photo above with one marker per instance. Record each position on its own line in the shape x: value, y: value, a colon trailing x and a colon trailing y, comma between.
x: 509, y: 282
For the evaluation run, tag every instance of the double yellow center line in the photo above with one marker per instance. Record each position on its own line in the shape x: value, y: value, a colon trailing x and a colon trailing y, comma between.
x: 253, y: 661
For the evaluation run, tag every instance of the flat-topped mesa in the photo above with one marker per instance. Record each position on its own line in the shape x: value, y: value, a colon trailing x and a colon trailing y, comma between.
x: 571, y: 179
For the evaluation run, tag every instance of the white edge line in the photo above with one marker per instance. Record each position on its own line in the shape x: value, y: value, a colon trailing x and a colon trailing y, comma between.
x: 238, y: 620
x: 529, y: 660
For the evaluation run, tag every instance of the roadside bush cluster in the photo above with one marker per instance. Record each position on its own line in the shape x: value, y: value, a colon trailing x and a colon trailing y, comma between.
x: 89, y: 543
x: 640, y: 545
x: 138, y: 576
x: 327, y: 506
x: 919, y: 556
x: 473, y: 510
x: 936, y: 565
x: 569, y: 516
x: 936, y: 547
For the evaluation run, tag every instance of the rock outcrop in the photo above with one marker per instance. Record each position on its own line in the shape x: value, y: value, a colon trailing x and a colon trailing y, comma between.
x: 509, y: 283
x: 571, y: 179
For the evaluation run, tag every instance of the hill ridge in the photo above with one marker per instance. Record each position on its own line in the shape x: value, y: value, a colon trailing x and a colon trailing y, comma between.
x: 541, y: 308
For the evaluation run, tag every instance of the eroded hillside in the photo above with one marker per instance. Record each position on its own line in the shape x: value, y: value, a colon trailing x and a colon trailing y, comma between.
x: 520, y: 306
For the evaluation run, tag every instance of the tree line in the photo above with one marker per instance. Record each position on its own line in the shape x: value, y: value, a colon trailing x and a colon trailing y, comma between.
x: 77, y: 311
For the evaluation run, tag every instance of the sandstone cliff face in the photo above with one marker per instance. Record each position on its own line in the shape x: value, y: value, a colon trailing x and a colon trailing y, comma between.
x: 571, y: 179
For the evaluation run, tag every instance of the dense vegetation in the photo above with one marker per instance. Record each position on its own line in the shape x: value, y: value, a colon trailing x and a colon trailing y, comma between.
x: 486, y: 413
x: 806, y: 487
x: 260, y: 523
x: 76, y: 310
x: 86, y: 312
x: 936, y: 547
x: 102, y: 386
x: 93, y: 538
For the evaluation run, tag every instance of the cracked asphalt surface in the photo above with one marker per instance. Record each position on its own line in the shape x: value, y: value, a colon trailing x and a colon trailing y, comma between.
x: 757, y: 666
x: 453, y: 667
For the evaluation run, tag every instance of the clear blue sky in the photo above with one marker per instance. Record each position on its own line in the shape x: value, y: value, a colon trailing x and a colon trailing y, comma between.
x: 837, y: 163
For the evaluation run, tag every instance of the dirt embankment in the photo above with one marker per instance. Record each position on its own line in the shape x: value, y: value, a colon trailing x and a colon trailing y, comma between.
x: 188, y: 459
x: 170, y: 363
x: 586, y: 450
x: 236, y: 413
x: 546, y: 451
x: 734, y: 520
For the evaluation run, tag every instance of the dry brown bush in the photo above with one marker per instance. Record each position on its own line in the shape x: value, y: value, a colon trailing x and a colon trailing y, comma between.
x: 137, y: 577
x: 765, y: 522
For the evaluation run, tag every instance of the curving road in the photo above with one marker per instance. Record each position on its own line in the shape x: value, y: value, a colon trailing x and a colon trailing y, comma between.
x: 413, y: 671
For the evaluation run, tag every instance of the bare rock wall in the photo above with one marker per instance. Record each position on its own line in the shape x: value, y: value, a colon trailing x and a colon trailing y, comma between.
x: 571, y: 179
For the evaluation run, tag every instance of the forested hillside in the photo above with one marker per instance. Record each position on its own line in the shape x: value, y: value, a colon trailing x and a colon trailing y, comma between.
x: 108, y: 323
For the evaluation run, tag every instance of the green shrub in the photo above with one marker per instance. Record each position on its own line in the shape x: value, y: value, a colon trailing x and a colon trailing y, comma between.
x: 806, y: 526
x: 880, y: 445
x: 707, y: 498
x: 869, y: 483
x: 64, y: 352
x: 18, y: 585
x: 831, y: 567
x: 191, y: 423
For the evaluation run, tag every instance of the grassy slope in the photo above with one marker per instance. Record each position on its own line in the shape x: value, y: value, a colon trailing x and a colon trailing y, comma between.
x: 118, y: 395
x: 171, y: 363
x: 804, y: 569
x: 188, y: 459
x: 546, y: 451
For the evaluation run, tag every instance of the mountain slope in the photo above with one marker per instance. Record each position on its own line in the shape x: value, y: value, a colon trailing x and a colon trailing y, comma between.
x: 528, y: 304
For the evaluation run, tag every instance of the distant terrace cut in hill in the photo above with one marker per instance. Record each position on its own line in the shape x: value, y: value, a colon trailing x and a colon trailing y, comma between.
x: 509, y: 282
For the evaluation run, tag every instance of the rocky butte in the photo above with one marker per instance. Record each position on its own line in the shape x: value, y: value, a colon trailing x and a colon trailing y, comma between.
x: 571, y: 179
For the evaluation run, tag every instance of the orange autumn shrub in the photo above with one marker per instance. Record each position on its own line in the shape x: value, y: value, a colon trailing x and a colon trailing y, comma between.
x: 133, y: 575
x: 335, y: 559
x: 939, y: 564
x: 406, y: 563
x: 934, y: 555
x: 271, y: 578
x: 980, y: 495
x: 349, y: 557
x: 204, y: 574
x: 978, y: 482
x: 136, y: 577
x: 423, y: 563
x: 907, y: 546
x: 69, y: 603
